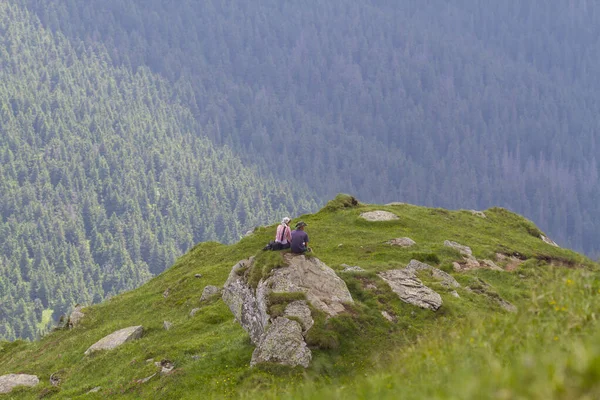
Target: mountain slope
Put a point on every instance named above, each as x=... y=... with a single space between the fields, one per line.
x=105 y=178
x=211 y=353
x=461 y=103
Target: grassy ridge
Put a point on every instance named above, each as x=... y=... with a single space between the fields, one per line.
x=435 y=354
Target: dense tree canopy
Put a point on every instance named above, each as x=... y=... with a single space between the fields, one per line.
x=104 y=178
x=451 y=103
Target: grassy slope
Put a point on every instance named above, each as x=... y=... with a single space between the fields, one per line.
x=426 y=352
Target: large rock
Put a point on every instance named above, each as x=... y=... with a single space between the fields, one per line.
x=402 y=242
x=379 y=216
x=410 y=289
x=446 y=278
x=323 y=288
x=11 y=381
x=283 y=344
x=116 y=339
x=281 y=339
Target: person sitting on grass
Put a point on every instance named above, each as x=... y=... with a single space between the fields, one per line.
x=300 y=239
x=283 y=237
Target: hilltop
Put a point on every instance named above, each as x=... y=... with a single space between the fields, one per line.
x=519 y=306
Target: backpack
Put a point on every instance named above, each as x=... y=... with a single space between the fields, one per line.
x=273 y=245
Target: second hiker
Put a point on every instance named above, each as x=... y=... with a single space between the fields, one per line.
x=300 y=239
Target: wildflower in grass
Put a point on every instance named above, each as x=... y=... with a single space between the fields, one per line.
x=569 y=282
x=555 y=338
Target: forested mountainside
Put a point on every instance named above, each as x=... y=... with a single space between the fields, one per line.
x=105 y=178
x=451 y=103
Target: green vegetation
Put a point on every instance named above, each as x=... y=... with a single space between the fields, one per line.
x=357 y=354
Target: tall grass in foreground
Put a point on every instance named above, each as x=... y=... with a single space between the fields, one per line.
x=549 y=350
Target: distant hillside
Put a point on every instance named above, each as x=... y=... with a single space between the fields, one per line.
x=453 y=103
x=105 y=178
x=512 y=305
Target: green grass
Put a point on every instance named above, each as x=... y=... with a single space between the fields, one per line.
x=470 y=347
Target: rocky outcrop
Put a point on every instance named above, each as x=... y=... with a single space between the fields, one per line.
x=378 y=216
x=490 y=264
x=116 y=339
x=11 y=381
x=483 y=288
x=410 y=289
x=446 y=278
x=402 y=242
x=283 y=344
x=209 y=292
x=75 y=317
x=281 y=339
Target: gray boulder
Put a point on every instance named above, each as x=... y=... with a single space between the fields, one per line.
x=116 y=339
x=402 y=242
x=479 y=214
x=11 y=381
x=209 y=292
x=283 y=344
x=446 y=278
x=194 y=311
x=378 y=216
x=410 y=289
x=75 y=317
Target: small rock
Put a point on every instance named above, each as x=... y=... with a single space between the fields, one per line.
x=166 y=367
x=248 y=233
x=167 y=325
x=198 y=276
x=95 y=390
x=454 y=293
x=55 y=379
x=410 y=289
x=549 y=241
x=464 y=250
x=402 y=242
x=340 y=245
x=209 y=292
x=479 y=214
x=446 y=278
x=378 y=216
x=194 y=311
x=355 y=268
x=116 y=339
x=166 y=293
x=457 y=267
x=146 y=379
x=387 y=316
x=150 y=360
x=491 y=265
x=522 y=276
x=75 y=317
x=370 y=286
x=11 y=381
x=195 y=357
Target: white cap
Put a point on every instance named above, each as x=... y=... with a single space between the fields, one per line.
x=286 y=220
